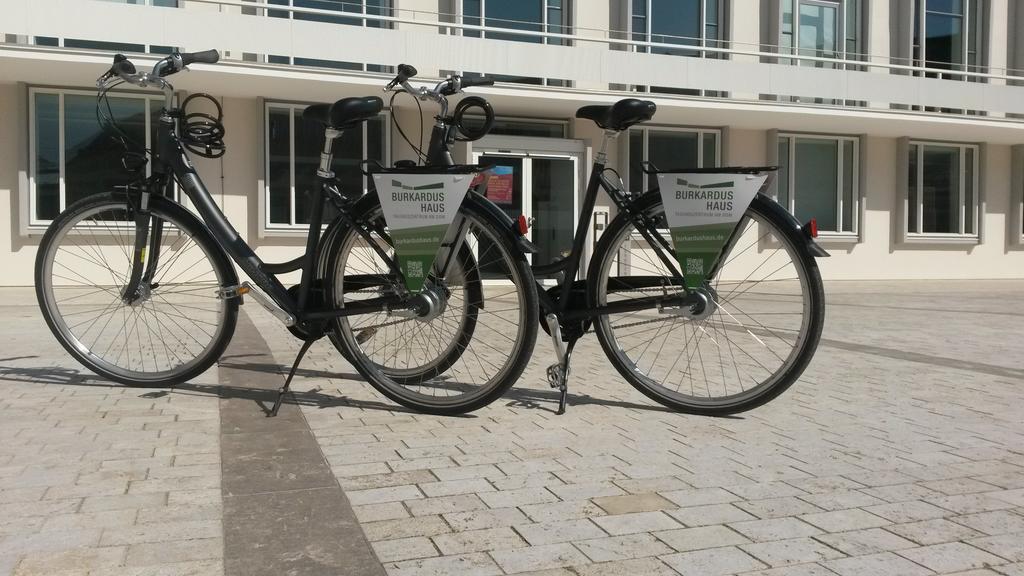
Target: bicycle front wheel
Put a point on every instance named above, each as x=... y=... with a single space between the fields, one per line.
x=466 y=353
x=175 y=329
x=766 y=316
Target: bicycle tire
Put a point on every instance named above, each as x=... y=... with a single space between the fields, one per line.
x=185 y=225
x=400 y=389
x=779 y=381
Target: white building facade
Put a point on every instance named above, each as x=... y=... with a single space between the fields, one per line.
x=898 y=125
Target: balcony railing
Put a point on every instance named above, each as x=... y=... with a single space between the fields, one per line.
x=593 y=59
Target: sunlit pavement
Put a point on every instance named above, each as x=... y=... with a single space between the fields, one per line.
x=900 y=451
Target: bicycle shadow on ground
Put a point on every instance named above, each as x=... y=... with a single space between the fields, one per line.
x=516 y=397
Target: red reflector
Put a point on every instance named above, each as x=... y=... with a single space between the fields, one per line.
x=812 y=227
x=523 y=225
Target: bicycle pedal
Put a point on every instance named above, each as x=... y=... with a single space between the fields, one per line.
x=555 y=378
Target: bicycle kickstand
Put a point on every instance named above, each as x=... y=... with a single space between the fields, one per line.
x=558 y=374
x=291 y=374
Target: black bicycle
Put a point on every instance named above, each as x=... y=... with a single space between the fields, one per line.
x=727 y=333
x=142 y=292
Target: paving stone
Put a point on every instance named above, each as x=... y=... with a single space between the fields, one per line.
x=710 y=514
x=700 y=496
x=928 y=532
x=538 y=558
x=864 y=542
x=687 y=539
x=162 y=532
x=844 y=520
x=385 y=511
x=774 y=529
x=713 y=562
x=380 y=495
x=523 y=496
x=485 y=518
x=777 y=507
x=951 y=557
x=586 y=491
x=76 y=560
x=622 y=547
x=970 y=503
x=910 y=511
x=883 y=564
x=795 y=551
x=794 y=570
x=404 y=549
x=444 y=505
x=570 y=510
x=633 y=503
x=1008 y=546
x=559 y=531
x=645 y=566
x=479 y=541
x=405 y=528
x=479 y=564
x=156 y=553
x=992 y=523
x=636 y=522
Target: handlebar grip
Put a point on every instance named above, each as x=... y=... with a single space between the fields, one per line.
x=405 y=72
x=479 y=81
x=205 y=57
x=122 y=66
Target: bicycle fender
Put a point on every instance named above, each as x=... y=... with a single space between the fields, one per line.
x=776 y=209
x=503 y=222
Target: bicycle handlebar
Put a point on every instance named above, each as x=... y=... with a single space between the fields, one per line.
x=123 y=68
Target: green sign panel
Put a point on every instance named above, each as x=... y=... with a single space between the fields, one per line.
x=703 y=209
x=419 y=209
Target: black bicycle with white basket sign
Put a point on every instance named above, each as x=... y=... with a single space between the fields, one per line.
x=704 y=292
x=142 y=291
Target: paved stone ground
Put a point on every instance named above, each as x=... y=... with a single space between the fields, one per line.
x=901 y=451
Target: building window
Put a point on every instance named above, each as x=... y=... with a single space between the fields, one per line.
x=690 y=23
x=821 y=28
x=948 y=34
x=669 y=149
x=819 y=178
x=292 y=151
x=942 y=190
x=71 y=156
x=531 y=127
x=351 y=13
x=550 y=16
x=684 y=22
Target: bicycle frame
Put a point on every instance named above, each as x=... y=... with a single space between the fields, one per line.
x=172 y=161
x=561 y=305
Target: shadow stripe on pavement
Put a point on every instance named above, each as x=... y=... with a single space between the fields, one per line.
x=284 y=512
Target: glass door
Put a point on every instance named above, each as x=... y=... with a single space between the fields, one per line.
x=544 y=188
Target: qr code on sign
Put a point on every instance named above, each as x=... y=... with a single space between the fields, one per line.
x=694 y=266
x=415 y=269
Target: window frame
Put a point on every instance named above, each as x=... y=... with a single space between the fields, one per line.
x=1016 y=220
x=32 y=222
x=974 y=19
x=977 y=208
x=843 y=140
x=630 y=15
x=268 y=227
x=700 y=131
x=567 y=24
x=844 y=29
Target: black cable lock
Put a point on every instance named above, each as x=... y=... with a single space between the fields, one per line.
x=202 y=133
x=468 y=133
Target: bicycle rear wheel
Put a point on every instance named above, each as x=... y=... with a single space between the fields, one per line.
x=458 y=360
x=767 y=315
x=178 y=326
